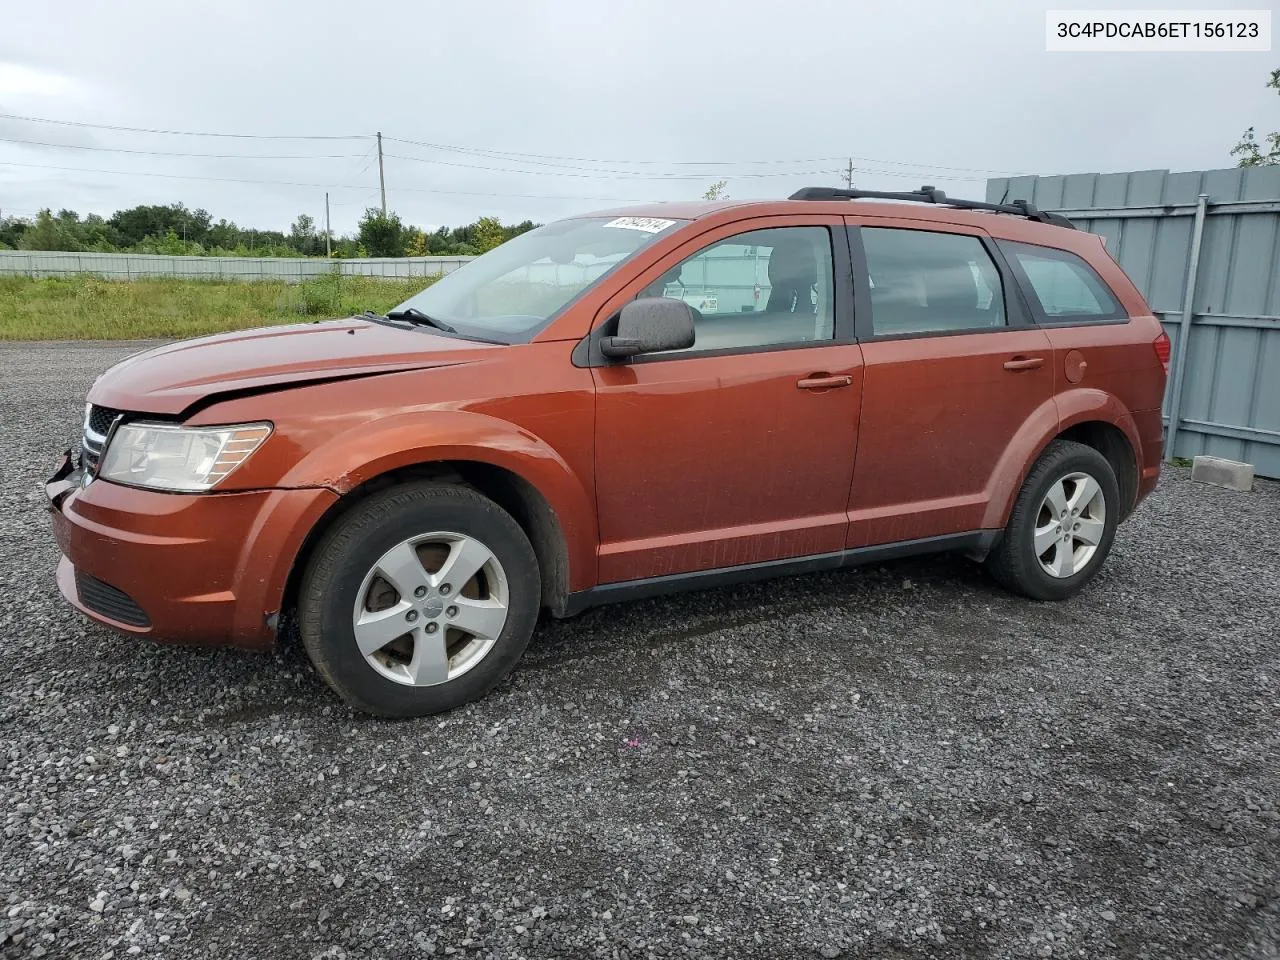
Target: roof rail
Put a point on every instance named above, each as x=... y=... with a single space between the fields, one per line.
x=1019 y=208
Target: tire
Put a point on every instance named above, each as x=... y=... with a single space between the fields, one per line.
x=1066 y=565
x=408 y=535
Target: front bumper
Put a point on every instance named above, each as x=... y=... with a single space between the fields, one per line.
x=204 y=569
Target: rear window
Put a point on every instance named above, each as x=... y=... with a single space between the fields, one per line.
x=926 y=282
x=1064 y=287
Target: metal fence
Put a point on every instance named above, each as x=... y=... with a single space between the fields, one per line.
x=129 y=266
x=1204 y=249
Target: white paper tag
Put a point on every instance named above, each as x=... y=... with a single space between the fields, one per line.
x=645 y=224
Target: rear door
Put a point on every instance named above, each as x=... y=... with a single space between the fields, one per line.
x=953 y=369
x=740 y=449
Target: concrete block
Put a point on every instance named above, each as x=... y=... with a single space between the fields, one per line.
x=1223 y=473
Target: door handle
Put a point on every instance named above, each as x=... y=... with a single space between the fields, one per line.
x=1024 y=363
x=823 y=381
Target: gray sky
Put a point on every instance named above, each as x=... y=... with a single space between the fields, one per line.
x=914 y=90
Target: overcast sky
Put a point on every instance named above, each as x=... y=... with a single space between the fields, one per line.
x=542 y=109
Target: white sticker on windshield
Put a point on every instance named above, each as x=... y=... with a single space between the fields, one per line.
x=646 y=224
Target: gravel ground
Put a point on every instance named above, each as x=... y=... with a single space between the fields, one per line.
x=898 y=761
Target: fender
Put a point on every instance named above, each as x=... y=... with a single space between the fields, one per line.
x=1055 y=415
x=295 y=513
x=371 y=449
x=1084 y=404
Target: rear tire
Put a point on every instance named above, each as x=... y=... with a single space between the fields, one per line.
x=1062 y=524
x=418 y=600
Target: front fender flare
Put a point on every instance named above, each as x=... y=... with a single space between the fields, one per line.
x=371 y=449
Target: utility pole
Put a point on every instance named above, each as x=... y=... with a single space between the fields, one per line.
x=382 y=179
x=848 y=175
x=327 y=234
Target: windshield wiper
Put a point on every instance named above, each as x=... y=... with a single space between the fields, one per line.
x=416 y=316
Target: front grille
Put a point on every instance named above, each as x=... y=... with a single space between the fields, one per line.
x=100 y=419
x=107 y=600
x=97 y=421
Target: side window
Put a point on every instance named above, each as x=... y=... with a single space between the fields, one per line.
x=925 y=282
x=755 y=289
x=1065 y=286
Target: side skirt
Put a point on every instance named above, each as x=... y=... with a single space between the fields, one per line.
x=976 y=544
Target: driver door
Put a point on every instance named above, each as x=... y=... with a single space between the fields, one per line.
x=740 y=449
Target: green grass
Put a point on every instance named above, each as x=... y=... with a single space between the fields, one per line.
x=90 y=308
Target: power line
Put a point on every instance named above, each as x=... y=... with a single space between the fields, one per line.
x=630 y=175
x=536 y=157
x=168 y=176
x=367 y=160
x=168 y=153
x=187 y=133
x=513 y=155
x=321 y=186
x=510 y=155
x=608 y=174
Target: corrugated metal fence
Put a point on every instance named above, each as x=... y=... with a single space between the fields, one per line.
x=1204 y=249
x=128 y=266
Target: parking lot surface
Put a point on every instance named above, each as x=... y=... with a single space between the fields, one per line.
x=895 y=761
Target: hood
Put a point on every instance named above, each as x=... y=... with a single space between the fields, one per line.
x=169 y=379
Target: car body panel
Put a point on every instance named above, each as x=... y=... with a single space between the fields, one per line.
x=523 y=408
x=171 y=554
x=937 y=415
x=731 y=463
x=712 y=474
x=171 y=378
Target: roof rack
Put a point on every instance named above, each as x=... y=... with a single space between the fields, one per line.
x=1019 y=208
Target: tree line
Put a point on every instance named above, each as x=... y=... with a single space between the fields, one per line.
x=1249 y=152
x=175 y=230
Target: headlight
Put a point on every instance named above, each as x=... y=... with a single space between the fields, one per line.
x=172 y=457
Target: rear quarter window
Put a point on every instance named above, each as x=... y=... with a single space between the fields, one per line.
x=1062 y=287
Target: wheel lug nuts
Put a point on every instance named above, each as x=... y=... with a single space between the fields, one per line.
x=451 y=612
x=420 y=592
x=444 y=589
x=432 y=627
x=411 y=616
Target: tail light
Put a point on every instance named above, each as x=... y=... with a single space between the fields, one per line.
x=1164 y=349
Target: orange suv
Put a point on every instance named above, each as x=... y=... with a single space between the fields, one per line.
x=614 y=406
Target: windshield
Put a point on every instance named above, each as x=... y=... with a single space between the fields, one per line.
x=514 y=290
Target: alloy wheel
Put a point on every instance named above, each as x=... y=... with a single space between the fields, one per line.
x=431 y=608
x=1069 y=525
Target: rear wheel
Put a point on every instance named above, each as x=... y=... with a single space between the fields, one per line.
x=420 y=599
x=1062 y=524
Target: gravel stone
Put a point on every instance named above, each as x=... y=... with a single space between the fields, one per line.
x=900 y=760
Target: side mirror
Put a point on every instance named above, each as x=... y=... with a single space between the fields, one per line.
x=650 y=325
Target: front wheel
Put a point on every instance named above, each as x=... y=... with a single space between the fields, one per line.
x=1062 y=524
x=418 y=600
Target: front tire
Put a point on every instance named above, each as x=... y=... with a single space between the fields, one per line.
x=1062 y=524
x=418 y=600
